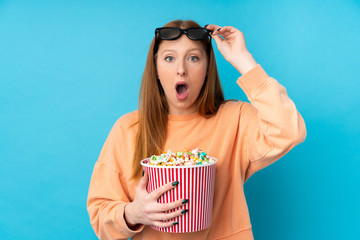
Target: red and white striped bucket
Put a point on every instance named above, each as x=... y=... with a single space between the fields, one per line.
x=196 y=183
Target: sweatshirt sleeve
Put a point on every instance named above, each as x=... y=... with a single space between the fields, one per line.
x=274 y=126
x=108 y=194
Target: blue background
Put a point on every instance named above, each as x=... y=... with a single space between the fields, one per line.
x=70 y=69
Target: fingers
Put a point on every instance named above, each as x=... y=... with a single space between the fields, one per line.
x=165 y=207
x=221 y=30
x=221 y=33
x=164 y=224
x=215 y=34
x=213 y=27
x=161 y=217
x=168 y=216
x=169 y=206
x=226 y=31
x=155 y=213
x=161 y=190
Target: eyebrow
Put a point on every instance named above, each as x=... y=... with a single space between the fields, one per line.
x=172 y=50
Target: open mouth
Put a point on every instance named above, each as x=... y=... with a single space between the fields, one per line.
x=182 y=89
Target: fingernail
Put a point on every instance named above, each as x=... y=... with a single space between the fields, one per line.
x=184 y=211
x=175 y=183
x=143 y=173
x=174 y=223
x=185 y=201
x=219 y=29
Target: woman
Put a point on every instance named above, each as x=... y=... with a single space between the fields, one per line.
x=182 y=106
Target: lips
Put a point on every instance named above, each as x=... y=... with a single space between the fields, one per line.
x=182 y=90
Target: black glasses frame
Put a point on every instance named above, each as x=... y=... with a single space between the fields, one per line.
x=181 y=32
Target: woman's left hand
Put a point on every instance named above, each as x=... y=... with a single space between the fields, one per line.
x=232 y=47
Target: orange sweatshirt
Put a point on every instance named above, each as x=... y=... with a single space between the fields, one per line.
x=244 y=137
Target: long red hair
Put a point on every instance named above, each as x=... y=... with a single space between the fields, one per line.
x=153 y=107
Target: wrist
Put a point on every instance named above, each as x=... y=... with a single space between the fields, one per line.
x=244 y=63
x=129 y=215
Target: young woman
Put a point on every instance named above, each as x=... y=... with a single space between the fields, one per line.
x=181 y=106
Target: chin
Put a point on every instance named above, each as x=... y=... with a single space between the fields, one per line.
x=185 y=106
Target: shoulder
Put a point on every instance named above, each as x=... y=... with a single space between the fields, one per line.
x=125 y=123
x=236 y=108
x=232 y=106
x=128 y=119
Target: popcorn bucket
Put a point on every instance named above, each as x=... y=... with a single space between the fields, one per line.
x=196 y=183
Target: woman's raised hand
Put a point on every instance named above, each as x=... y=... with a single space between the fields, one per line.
x=146 y=210
x=232 y=46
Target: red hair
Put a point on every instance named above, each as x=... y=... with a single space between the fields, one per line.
x=153 y=107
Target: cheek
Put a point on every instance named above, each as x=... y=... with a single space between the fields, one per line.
x=200 y=74
x=163 y=71
x=165 y=85
x=201 y=78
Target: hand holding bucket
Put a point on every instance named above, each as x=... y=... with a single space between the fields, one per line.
x=196 y=183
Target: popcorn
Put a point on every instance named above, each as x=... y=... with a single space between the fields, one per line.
x=185 y=158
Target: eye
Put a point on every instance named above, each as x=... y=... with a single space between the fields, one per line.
x=194 y=58
x=169 y=58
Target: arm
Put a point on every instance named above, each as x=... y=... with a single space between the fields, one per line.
x=274 y=126
x=108 y=197
x=114 y=214
x=106 y=205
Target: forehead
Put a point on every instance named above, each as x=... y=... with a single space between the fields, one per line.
x=181 y=44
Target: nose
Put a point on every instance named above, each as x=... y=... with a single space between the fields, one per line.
x=181 y=71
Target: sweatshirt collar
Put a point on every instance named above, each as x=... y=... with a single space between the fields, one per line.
x=178 y=118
